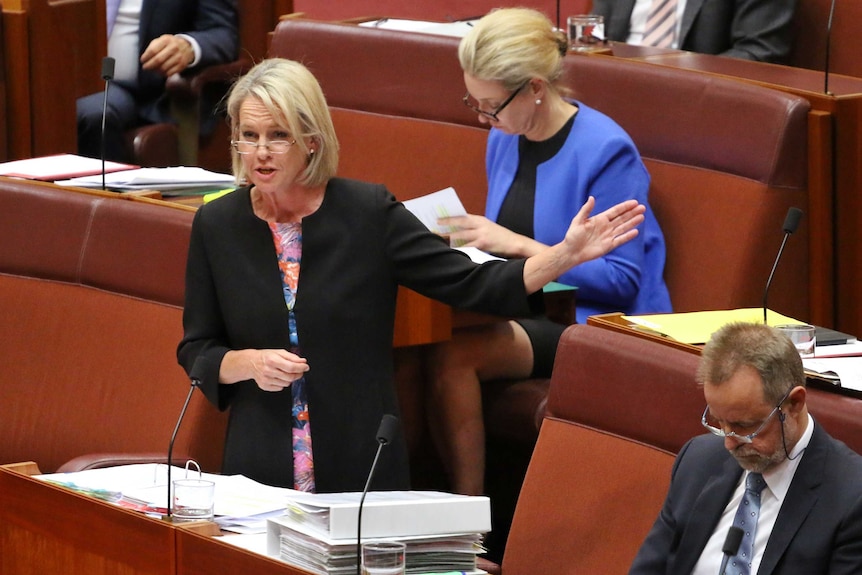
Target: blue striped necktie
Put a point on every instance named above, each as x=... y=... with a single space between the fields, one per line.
x=746 y=519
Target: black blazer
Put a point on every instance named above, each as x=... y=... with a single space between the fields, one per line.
x=357 y=249
x=748 y=29
x=819 y=526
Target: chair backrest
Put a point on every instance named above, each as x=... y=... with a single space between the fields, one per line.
x=726 y=160
x=618 y=409
x=91 y=293
x=383 y=71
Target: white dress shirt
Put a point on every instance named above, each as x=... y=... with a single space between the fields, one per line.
x=639 y=18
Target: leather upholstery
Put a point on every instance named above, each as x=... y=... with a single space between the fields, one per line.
x=91 y=289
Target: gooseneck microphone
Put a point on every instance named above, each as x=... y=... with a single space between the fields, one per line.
x=826 y=53
x=107 y=76
x=195 y=382
x=388 y=426
x=791 y=222
x=731 y=546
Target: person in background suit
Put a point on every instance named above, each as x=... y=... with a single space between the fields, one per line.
x=150 y=41
x=811 y=509
x=748 y=29
x=291 y=288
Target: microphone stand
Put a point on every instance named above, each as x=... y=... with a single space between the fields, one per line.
x=384 y=436
x=828 y=44
x=791 y=222
x=107 y=76
x=195 y=383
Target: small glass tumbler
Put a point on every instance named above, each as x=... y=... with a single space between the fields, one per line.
x=586 y=32
x=193 y=500
x=383 y=558
x=803 y=337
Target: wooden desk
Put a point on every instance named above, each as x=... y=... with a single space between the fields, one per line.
x=49 y=529
x=200 y=554
x=835 y=169
x=616 y=322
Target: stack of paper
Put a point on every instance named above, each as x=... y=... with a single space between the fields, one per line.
x=242 y=505
x=174 y=180
x=59 y=166
x=443 y=531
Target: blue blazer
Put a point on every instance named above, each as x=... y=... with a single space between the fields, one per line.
x=818 y=530
x=598 y=159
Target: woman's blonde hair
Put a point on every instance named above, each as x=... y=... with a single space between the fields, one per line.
x=513 y=45
x=293 y=97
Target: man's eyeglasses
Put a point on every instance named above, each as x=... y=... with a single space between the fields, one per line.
x=741 y=438
x=469 y=102
x=274 y=147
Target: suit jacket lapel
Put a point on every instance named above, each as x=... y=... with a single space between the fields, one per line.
x=801 y=497
x=689 y=13
x=705 y=514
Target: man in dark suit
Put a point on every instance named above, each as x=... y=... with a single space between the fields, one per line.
x=810 y=518
x=150 y=41
x=747 y=29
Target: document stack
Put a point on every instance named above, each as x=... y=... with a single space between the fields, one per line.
x=443 y=532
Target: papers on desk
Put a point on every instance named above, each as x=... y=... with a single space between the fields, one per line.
x=176 y=179
x=696 y=327
x=389 y=513
x=298 y=545
x=457 y=29
x=242 y=505
x=845 y=372
x=59 y=166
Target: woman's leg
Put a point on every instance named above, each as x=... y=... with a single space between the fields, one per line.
x=455 y=369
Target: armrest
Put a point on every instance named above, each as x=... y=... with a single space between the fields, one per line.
x=99 y=460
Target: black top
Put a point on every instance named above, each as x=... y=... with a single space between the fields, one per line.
x=516 y=213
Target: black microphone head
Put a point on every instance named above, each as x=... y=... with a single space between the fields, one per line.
x=387 y=429
x=732 y=541
x=107 y=68
x=198 y=370
x=791 y=221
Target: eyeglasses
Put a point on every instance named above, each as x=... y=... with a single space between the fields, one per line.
x=500 y=108
x=274 y=147
x=741 y=438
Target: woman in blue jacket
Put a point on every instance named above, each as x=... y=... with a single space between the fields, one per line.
x=546 y=154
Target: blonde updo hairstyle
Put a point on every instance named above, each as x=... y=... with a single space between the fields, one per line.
x=293 y=97
x=513 y=45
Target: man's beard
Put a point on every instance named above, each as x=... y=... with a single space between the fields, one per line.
x=755 y=462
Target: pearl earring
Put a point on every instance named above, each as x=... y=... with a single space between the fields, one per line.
x=538 y=101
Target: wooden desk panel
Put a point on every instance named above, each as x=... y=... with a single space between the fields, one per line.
x=199 y=554
x=48 y=529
